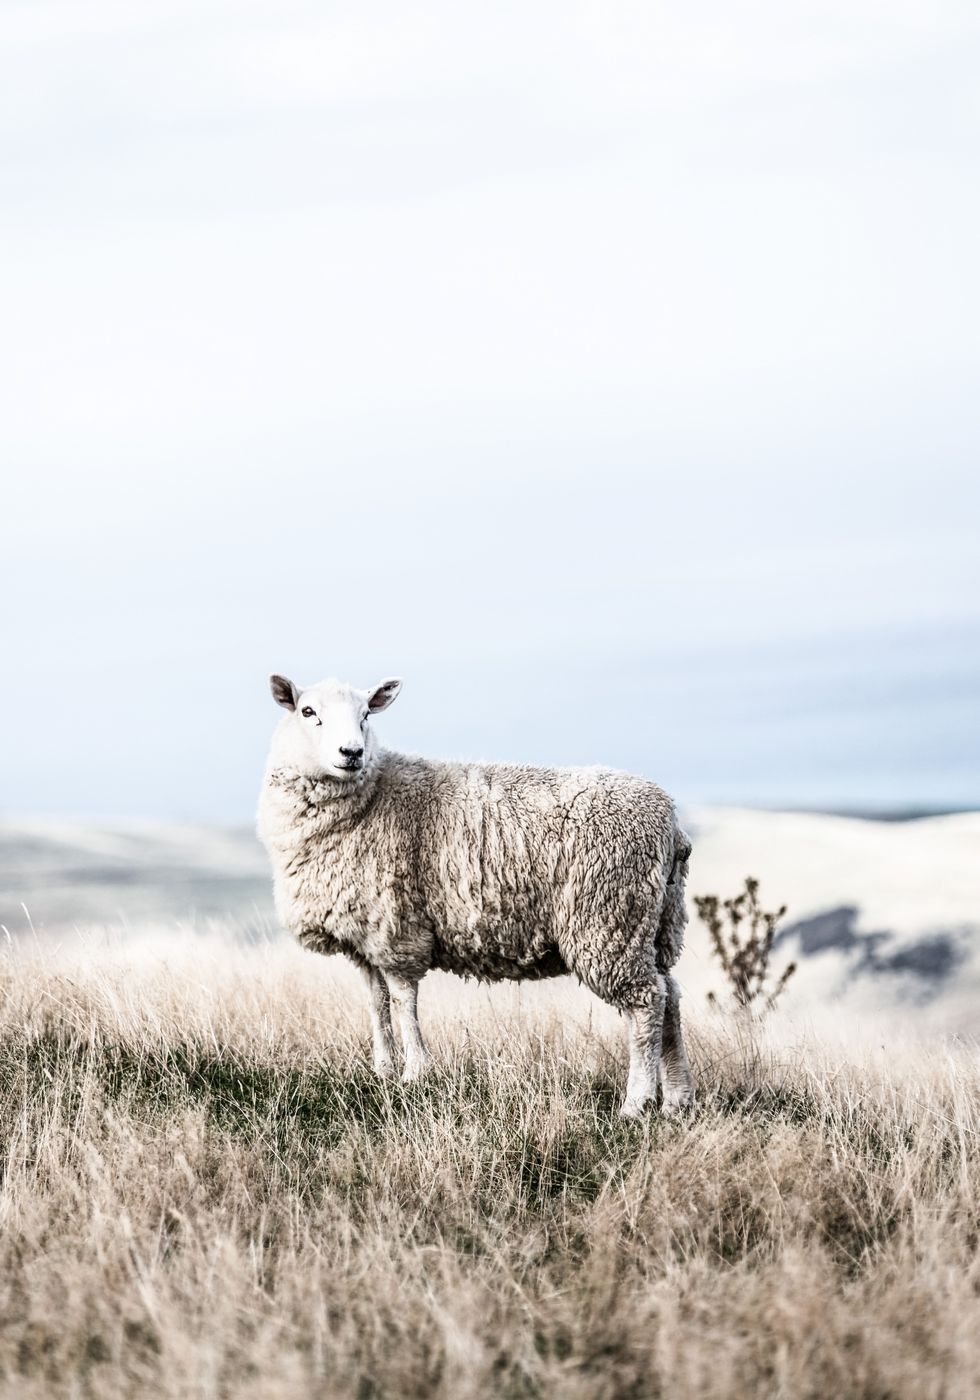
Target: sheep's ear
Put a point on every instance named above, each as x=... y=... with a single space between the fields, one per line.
x=283 y=692
x=382 y=695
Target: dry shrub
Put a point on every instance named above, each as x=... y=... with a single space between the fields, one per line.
x=744 y=953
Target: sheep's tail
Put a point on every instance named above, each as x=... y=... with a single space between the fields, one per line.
x=673 y=915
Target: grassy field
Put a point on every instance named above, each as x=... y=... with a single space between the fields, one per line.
x=205 y=1193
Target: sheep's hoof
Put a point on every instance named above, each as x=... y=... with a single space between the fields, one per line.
x=676 y=1102
x=416 y=1071
x=634 y=1109
x=384 y=1069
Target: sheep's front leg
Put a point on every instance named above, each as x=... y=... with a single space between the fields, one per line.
x=404 y=998
x=382 y=1038
x=646 y=1027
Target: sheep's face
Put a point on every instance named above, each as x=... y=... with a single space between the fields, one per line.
x=328 y=724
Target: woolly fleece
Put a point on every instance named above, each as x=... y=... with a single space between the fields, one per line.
x=487 y=870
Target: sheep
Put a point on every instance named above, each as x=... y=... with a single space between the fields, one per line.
x=493 y=871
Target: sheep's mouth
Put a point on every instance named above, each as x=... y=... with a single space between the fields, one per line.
x=353 y=767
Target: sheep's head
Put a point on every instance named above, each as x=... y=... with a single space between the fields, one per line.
x=328 y=729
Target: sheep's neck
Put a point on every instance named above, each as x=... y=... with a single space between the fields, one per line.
x=322 y=795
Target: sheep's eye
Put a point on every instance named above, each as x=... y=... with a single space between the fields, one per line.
x=307 y=712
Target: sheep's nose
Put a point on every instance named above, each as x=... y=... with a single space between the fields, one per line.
x=352 y=753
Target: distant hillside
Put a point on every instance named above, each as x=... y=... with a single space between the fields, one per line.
x=75 y=874
x=884 y=916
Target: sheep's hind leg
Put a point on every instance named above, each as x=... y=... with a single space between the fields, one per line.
x=646 y=1026
x=404 y=999
x=678 y=1088
x=382 y=1037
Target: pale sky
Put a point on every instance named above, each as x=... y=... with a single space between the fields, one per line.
x=609 y=371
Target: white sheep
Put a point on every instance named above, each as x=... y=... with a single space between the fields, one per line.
x=488 y=870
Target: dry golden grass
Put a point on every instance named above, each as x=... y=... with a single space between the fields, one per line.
x=205 y=1193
